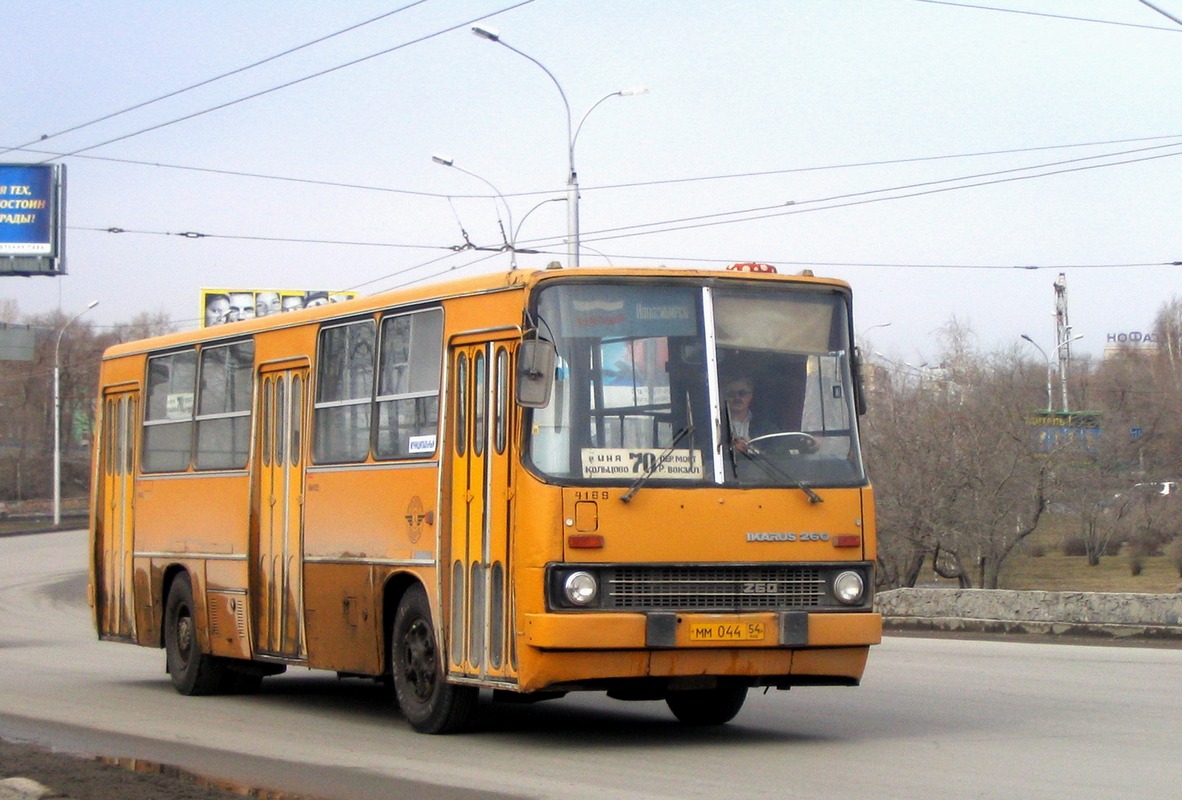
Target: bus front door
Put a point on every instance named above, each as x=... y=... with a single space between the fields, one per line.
x=277 y=530
x=114 y=579
x=480 y=636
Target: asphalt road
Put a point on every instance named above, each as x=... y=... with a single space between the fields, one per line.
x=934 y=718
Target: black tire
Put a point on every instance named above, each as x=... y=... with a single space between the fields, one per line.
x=429 y=703
x=193 y=672
x=716 y=706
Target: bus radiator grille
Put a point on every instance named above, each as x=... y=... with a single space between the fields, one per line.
x=722 y=588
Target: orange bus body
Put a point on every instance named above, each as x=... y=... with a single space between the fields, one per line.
x=431 y=534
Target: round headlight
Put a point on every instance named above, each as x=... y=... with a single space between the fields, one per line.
x=580 y=588
x=848 y=588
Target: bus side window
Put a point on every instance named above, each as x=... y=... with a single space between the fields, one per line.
x=409 y=367
x=344 y=393
x=223 y=413
x=168 y=429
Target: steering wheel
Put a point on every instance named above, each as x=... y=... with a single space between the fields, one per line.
x=792 y=441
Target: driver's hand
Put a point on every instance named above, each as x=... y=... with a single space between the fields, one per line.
x=740 y=445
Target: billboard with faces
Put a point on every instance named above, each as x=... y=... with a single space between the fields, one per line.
x=222 y=306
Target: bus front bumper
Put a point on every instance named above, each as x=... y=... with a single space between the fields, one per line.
x=670 y=630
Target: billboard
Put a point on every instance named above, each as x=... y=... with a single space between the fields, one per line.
x=220 y=306
x=17 y=342
x=1066 y=431
x=31 y=219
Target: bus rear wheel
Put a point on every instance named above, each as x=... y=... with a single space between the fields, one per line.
x=429 y=702
x=192 y=671
x=716 y=706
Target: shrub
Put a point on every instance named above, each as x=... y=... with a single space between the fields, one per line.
x=1036 y=550
x=1174 y=554
x=1075 y=546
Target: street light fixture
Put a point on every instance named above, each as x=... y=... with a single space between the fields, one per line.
x=521 y=224
x=572 y=133
x=510 y=237
x=874 y=327
x=57 y=417
x=1050 y=369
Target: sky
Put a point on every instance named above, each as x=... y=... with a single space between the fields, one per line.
x=948 y=160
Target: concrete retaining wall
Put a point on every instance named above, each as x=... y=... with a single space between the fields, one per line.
x=1111 y=615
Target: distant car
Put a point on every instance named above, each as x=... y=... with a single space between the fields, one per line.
x=3 y=510
x=1157 y=487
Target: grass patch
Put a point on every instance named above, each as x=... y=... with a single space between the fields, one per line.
x=1055 y=572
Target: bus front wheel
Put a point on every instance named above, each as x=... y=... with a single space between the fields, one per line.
x=192 y=671
x=429 y=702
x=716 y=706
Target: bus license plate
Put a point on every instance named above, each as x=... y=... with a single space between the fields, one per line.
x=726 y=631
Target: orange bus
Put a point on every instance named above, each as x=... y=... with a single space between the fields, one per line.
x=640 y=481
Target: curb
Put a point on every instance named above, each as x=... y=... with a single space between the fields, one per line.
x=1110 y=616
x=1010 y=627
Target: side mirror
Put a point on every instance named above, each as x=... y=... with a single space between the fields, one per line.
x=535 y=373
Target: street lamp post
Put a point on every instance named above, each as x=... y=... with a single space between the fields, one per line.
x=57 y=417
x=1064 y=356
x=572 y=134
x=1048 y=360
x=510 y=236
x=1050 y=368
x=874 y=327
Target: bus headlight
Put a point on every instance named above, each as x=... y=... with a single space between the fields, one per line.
x=849 y=588
x=580 y=588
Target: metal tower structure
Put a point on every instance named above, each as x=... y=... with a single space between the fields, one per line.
x=1062 y=334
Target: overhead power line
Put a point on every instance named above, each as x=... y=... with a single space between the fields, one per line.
x=883 y=162
x=47 y=136
x=863 y=197
x=979 y=7
x=591 y=236
x=782 y=262
x=289 y=84
x=1165 y=14
x=612 y=186
x=250 y=238
x=741 y=215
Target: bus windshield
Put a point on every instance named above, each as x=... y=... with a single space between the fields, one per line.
x=691 y=384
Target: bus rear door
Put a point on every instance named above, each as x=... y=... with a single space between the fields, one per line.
x=115 y=543
x=277 y=530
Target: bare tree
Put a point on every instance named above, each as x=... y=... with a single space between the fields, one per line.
x=954 y=460
x=26 y=395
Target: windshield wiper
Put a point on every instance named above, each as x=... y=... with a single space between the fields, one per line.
x=776 y=471
x=684 y=432
x=636 y=484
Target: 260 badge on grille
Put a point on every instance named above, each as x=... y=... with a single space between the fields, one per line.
x=726 y=631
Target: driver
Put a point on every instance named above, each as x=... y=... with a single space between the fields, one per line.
x=739 y=392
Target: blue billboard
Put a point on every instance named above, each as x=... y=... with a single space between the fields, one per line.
x=30 y=218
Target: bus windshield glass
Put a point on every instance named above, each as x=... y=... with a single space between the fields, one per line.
x=690 y=384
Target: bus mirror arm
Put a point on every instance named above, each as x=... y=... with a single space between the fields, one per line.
x=535 y=372
x=859 y=386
